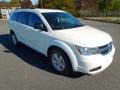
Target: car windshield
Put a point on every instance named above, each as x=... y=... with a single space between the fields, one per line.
x=61 y=20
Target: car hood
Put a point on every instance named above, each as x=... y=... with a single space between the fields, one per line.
x=85 y=36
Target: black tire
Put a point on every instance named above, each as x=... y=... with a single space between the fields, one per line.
x=14 y=39
x=68 y=67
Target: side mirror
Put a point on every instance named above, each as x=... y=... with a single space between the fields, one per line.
x=40 y=26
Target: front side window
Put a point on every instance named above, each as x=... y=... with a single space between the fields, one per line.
x=23 y=17
x=34 y=19
x=61 y=20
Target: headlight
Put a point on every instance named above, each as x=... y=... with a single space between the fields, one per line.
x=87 y=51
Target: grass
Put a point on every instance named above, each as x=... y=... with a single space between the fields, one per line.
x=105 y=19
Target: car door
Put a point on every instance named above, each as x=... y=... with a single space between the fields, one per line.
x=22 y=25
x=37 y=37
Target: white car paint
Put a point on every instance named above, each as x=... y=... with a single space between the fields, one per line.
x=85 y=36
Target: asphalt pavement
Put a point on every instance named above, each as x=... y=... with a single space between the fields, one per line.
x=25 y=69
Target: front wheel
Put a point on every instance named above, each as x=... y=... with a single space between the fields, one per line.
x=60 y=61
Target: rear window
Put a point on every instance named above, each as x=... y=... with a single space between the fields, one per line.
x=14 y=17
x=23 y=17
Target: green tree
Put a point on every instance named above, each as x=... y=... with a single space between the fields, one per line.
x=67 y=5
x=13 y=2
x=116 y=5
x=106 y=5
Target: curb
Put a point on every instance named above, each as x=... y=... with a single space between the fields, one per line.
x=3 y=19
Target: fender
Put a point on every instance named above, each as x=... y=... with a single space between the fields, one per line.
x=68 y=51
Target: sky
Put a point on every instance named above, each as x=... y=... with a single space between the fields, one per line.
x=33 y=1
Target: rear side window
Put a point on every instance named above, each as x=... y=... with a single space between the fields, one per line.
x=23 y=17
x=34 y=19
x=14 y=17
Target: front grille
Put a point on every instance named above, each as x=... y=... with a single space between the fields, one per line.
x=105 y=49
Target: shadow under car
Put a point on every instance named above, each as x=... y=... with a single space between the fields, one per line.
x=30 y=56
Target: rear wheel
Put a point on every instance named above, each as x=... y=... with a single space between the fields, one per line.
x=60 y=61
x=14 y=39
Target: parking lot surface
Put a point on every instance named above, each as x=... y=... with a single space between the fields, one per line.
x=24 y=69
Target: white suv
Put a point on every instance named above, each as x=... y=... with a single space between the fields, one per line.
x=69 y=44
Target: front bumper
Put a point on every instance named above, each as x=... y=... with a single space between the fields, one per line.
x=94 y=64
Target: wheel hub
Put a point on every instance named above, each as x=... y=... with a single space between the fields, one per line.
x=58 y=62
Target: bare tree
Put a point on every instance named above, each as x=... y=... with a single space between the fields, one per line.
x=40 y=4
x=26 y=4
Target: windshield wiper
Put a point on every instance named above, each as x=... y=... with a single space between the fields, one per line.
x=58 y=27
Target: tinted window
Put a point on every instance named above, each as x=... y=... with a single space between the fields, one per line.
x=34 y=19
x=23 y=17
x=61 y=20
x=14 y=16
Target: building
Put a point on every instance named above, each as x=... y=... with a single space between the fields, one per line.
x=6 y=9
